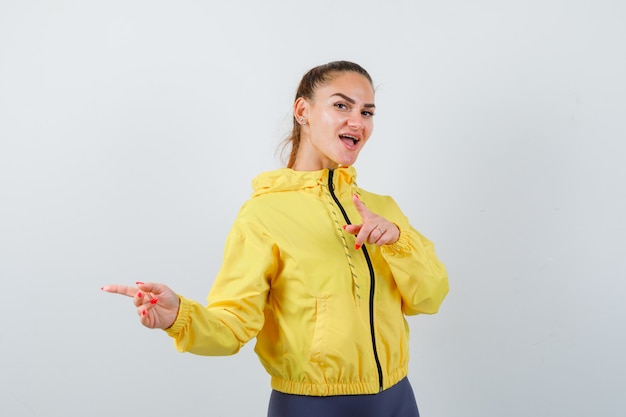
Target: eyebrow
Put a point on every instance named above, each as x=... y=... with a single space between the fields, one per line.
x=351 y=101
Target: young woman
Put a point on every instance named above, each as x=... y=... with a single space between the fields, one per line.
x=319 y=270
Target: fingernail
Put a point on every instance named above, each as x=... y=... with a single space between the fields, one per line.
x=139 y=294
x=344 y=226
x=138 y=282
x=143 y=313
x=356 y=195
x=154 y=300
x=357 y=247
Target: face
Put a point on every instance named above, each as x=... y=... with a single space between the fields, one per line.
x=339 y=121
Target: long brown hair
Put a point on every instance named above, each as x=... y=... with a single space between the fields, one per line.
x=313 y=79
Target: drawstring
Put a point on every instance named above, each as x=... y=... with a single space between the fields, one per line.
x=356 y=289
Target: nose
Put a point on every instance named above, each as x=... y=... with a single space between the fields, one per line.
x=354 y=121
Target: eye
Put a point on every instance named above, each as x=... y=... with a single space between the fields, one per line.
x=367 y=113
x=341 y=106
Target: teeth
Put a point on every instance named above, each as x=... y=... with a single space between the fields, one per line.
x=350 y=137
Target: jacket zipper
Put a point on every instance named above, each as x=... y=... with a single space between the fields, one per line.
x=331 y=188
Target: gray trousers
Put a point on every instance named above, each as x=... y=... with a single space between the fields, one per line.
x=397 y=401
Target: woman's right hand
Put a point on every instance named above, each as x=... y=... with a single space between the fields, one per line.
x=157 y=305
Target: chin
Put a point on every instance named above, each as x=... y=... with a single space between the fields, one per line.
x=346 y=162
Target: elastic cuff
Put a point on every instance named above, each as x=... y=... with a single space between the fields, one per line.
x=402 y=245
x=181 y=318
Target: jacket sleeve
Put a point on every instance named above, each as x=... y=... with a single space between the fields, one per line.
x=235 y=310
x=421 y=278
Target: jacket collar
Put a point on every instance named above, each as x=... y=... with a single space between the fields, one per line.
x=286 y=179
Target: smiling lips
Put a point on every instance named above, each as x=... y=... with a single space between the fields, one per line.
x=349 y=140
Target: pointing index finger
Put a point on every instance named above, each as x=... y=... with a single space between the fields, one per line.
x=120 y=289
x=360 y=206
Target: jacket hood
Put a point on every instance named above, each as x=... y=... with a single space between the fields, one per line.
x=287 y=179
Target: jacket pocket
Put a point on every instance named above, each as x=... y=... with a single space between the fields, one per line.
x=318 y=345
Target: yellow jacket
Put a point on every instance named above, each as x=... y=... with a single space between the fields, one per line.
x=328 y=319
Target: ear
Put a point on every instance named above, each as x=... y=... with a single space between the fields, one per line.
x=301 y=108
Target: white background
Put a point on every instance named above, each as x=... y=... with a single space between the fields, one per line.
x=130 y=131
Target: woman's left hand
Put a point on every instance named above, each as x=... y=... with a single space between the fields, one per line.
x=374 y=229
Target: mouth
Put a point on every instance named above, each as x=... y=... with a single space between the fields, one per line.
x=349 y=139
